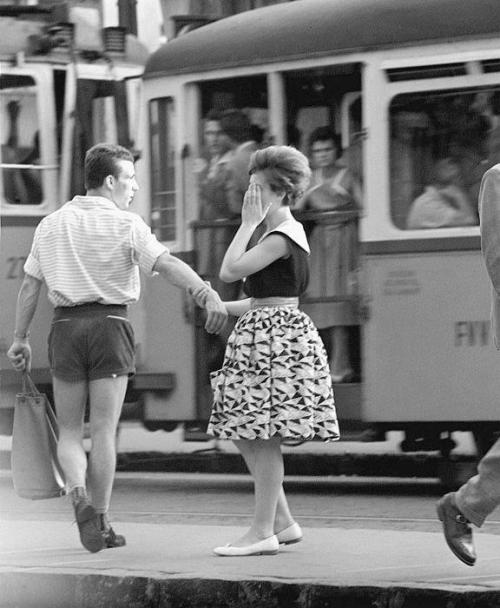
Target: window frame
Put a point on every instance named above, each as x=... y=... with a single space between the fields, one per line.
x=49 y=167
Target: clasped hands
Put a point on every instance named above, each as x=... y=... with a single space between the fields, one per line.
x=209 y=299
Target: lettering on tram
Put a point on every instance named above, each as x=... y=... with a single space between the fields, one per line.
x=472 y=333
x=401 y=282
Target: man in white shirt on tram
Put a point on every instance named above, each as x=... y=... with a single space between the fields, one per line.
x=88 y=253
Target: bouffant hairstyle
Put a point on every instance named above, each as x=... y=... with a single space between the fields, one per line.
x=100 y=161
x=286 y=170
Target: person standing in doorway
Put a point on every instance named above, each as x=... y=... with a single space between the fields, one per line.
x=88 y=253
x=238 y=132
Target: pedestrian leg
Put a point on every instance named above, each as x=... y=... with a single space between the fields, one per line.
x=283 y=519
x=479 y=496
x=106 y=400
x=268 y=480
x=70 y=399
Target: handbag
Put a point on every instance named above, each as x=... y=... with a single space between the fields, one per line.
x=36 y=472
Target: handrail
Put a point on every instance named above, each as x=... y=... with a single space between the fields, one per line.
x=323 y=217
x=35 y=167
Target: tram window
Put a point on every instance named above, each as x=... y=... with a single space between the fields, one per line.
x=246 y=94
x=438 y=153
x=315 y=98
x=162 y=138
x=20 y=146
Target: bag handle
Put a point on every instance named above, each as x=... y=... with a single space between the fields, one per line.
x=28 y=385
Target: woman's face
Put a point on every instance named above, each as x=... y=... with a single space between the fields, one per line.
x=323 y=153
x=268 y=196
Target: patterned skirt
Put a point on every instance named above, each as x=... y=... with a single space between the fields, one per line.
x=275 y=380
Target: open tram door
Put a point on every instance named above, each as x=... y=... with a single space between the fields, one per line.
x=430 y=366
x=285 y=107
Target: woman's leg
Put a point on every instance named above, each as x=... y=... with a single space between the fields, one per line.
x=268 y=479
x=283 y=517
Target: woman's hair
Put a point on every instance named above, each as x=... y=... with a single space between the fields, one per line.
x=100 y=161
x=286 y=170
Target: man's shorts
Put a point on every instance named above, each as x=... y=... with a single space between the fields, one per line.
x=91 y=341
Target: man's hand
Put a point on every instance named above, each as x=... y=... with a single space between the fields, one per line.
x=199 y=294
x=216 y=313
x=19 y=355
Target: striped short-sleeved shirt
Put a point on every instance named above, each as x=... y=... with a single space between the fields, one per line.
x=89 y=250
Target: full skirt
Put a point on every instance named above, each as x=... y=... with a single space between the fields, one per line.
x=275 y=380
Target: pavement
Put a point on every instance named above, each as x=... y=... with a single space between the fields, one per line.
x=43 y=565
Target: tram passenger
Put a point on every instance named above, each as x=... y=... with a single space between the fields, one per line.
x=479 y=496
x=238 y=131
x=444 y=202
x=334 y=247
x=213 y=197
x=275 y=382
x=88 y=253
x=213 y=241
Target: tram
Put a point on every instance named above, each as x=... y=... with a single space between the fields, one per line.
x=404 y=84
x=65 y=84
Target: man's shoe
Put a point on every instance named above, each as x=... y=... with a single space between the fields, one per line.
x=111 y=539
x=457 y=531
x=87 y=521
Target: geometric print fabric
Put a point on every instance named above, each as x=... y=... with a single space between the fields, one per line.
x=275 y=380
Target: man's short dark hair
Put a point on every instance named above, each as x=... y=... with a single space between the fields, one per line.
x=214 y=115
x=236 y=125
x=100 y=161
x=325 y=134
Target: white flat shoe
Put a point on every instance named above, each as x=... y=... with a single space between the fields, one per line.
x=267 y=546
x=290 y=535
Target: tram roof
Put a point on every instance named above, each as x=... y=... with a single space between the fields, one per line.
x=315 y=28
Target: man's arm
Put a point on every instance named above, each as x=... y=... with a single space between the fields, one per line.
x=19 y=353
x=489 y=210
x=178 y=273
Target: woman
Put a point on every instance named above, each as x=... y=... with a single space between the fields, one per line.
x=275 y=382
x=334 y=247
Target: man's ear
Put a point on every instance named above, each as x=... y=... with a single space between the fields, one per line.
x=109 y=181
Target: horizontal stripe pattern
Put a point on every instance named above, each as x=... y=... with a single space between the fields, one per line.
x=91 y=251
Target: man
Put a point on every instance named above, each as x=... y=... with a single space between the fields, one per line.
x=479 y=496
x=238 y=130
x=89 y=253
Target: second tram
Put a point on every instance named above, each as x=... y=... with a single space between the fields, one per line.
x=405 y=85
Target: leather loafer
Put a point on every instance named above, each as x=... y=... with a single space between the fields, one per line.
x=456 y=528
x=290 y=535
x=267 y=546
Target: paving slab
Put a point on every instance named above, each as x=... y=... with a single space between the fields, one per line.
x=42 y=564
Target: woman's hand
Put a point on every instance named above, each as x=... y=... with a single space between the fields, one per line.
x=254 y=210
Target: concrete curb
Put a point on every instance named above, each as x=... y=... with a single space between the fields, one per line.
x=57 y=590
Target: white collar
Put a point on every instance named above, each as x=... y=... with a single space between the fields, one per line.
x=293 y=230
